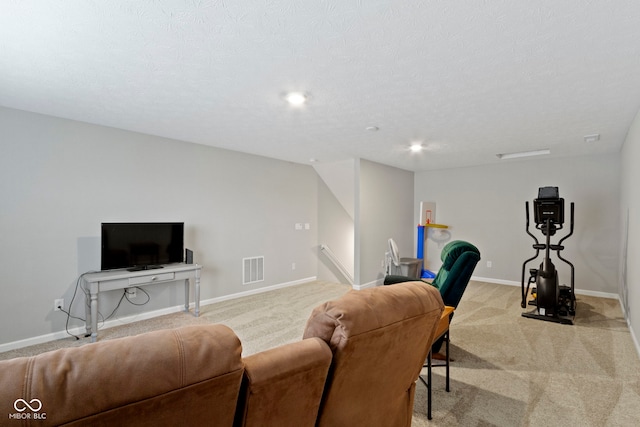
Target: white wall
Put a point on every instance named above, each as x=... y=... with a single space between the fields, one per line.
x=339 y=177
x=630 y=229
x=336 y=230
x=60 y=179
x=336 y=206
x=384 y=209
x=486 y=206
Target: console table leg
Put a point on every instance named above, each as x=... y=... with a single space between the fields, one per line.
x=87 y=316
x=197 y=291
x=94 y=317
x=186 y=295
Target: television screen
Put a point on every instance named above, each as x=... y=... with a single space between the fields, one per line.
x=141 y=245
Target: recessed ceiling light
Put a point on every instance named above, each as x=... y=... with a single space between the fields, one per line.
x=416 y=147
x=372 y=128
x=313 y=160
x=523 y=154
x=296 y=99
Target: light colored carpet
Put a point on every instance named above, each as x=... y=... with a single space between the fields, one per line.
x=508 y=370
x=514 y=371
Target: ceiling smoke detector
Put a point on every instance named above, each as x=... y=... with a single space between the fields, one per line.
x=592 y=138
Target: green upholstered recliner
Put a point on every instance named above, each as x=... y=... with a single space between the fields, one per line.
x=459 y=259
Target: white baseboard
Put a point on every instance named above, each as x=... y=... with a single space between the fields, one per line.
x=373 y=284
x=497 y=281
x=80 y=331
x=634 y=337
x=578 y=291
x=257 y=291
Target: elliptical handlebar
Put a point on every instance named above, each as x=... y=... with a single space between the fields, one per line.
x=526 y=206
x=570 y=227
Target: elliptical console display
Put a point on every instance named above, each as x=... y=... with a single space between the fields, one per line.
x=553 y=302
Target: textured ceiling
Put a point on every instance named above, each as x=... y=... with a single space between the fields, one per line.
x=469 y=79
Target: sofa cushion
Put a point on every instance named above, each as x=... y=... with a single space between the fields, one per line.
x=282 y=386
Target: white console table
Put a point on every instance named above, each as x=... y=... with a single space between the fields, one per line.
x=121 y=279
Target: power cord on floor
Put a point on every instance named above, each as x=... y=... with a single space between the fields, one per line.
x=88 y=301
x=68 y=313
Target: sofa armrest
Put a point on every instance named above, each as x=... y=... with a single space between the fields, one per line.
x=284 y=385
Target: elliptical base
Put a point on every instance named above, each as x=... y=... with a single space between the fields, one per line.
x=566 y=308
x=564 y=320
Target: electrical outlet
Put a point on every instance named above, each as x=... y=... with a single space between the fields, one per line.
x=489 y=264
x=293 y=265
x=131 y=292
x=58 y=304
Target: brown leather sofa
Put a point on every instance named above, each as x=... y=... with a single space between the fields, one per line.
x=378 y=340
x=357 y=364
x=186 y=376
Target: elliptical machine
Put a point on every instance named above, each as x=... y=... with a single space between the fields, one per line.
x=554 y=303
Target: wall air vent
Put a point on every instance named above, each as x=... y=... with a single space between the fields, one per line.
x=252 y=270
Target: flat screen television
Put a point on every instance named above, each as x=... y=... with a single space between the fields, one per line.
x=141 y=245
